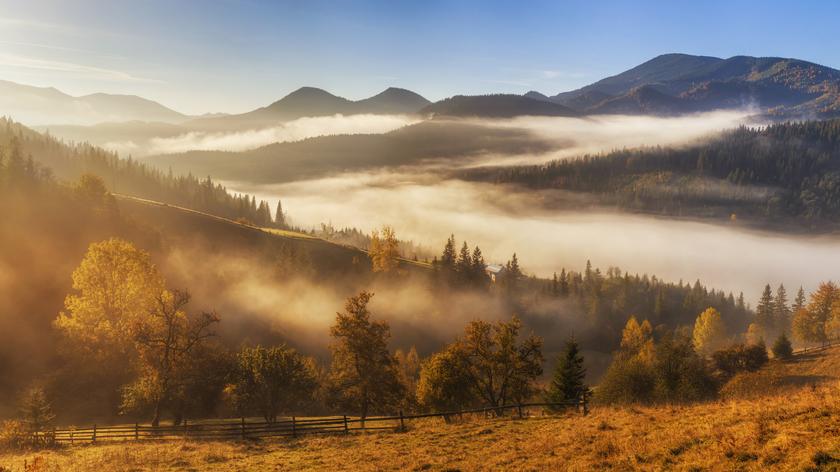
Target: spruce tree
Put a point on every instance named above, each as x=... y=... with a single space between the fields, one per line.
x=279 y=216
x=36 y=410
x=447 y=259
x=569 y=375
x=764 y=310
x=799 y=302
x=781 y=310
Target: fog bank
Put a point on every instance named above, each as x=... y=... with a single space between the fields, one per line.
x=604 y=133
x=294 y=130
x=503 y=221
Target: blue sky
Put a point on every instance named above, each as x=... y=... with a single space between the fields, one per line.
x=203 y=56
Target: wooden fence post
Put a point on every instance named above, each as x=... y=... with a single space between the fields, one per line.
x=519 y=409
x=242 y=431
x=402 y=422
x=185 y=427
x=346 y=429
x=136 y=431
x=294 y=429
x=93 y=438
x=71 y=435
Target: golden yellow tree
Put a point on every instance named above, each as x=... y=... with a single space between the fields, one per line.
x=384 y=250
x=709 y=333
x=636 y=337
x=755 y=333
x=115 y=286
x=815 y=322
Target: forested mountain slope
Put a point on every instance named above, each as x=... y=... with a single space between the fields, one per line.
x=788 y=173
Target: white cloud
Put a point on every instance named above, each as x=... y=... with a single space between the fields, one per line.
x=11 y=60
x=295 y=130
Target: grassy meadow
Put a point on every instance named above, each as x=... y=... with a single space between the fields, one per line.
x=796 y=427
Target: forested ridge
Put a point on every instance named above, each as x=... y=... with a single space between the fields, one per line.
x=787 y=172
x=69 y=161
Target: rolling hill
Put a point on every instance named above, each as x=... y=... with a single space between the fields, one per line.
x=47 y=105
x=282 y=162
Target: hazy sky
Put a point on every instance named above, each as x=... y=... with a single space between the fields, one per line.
x=225 y=55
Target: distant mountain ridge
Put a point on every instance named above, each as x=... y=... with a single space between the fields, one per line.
x=47 y=105
x=312 y=101
x=682 y=83
x=496 y=106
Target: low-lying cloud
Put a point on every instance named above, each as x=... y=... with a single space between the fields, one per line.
x=504 y=220
x=294 y=130
x=604 y=133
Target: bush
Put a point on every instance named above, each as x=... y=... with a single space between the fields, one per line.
x=782 y=348
x=740 y=358
x=14 y=435
x=671 y=371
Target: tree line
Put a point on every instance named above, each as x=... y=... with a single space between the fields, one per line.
x=29 y=151
x=786 y=170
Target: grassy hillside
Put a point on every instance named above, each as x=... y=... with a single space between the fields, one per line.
x=791 y=429
x=808 y=369
x=784 y=433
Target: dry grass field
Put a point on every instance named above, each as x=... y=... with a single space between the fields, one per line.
x=796 y=428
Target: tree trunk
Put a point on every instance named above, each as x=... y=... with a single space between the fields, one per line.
x=156 y=419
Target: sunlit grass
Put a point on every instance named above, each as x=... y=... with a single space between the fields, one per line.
x=794 y=431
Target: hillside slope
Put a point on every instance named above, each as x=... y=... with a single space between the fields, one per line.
x=780 y=433
x=808 y=369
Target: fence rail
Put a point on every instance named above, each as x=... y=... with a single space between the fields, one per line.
x=243 y=429
x=828 y=344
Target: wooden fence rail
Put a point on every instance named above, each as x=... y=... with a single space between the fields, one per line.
x=828 y=344
x=242 y=429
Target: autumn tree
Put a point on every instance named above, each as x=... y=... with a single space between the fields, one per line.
x=92 y=191
x=568 y=383
x=444 y=383
x=384 y=250
x=501 y=365
x=755 y=334
x=408 y=364
x=813 y=323
x=116 y=286
x=364 y=374
x=636 y=337
x=271 y=380
x=165 y=339
x=709 y=333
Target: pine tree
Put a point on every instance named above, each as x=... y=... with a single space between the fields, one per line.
x=279 y=216
x=781 y=310
x=447 y=259
x=464 y=265
x=569 y=375
x=764 y=310
x=799 y=302
x=479 y=276
x=36 y=410
x=564 y=283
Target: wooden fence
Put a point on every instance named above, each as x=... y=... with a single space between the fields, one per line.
x=243 y=429
x=822 y=347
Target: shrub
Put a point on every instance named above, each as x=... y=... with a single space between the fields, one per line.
x=14 y=435
x=740 y=358
x=782 y=348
